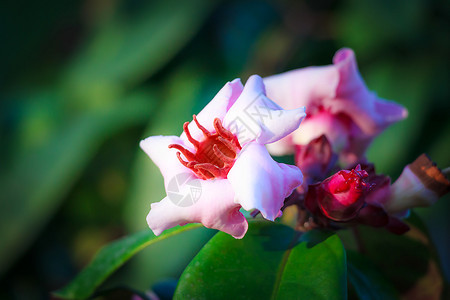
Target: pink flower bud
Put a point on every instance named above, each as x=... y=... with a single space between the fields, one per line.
x=315 y=159
x=420 y=184
x=341 y=196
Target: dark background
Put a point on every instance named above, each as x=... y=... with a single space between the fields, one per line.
x=81 y=82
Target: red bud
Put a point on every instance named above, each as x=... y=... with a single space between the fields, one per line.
x=341 y=196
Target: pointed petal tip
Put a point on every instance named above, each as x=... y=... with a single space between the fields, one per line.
x=281 y=125
x=152 y=219
x=235 y=81
x=268 y=217
x=241 y=233
x=143 y=143
x=405 y=113
x=146 y=144
x=344 y=55
x=231 y=86
x=389 y=112
x=157 y=230
x=271 y=215
x=401 y=115
x=254 y=77
x=255 y=82
x=301 y=112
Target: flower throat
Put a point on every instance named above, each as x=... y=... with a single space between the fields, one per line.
x=214 y=155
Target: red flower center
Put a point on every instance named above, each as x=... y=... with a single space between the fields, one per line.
x=214 y=155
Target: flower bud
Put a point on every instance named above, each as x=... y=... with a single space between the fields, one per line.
x=315 y=159
x=420 y=184
x=341 y=196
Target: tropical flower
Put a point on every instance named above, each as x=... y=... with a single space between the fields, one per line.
x=338 y=105
x=220 y=164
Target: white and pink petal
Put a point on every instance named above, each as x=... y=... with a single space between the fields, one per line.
x=261 y=183
x=254 y=117
x=371 y=113
x=157 y=148
x=216 y=108
x=302 y=87
x=212 y=209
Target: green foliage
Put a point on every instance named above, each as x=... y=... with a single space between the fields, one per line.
x=96 y=104
x=110 y=258
x=271 y=262
x=401 y=259
x=367 y=281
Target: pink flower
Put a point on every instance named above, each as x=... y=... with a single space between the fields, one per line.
x=338 y=105
x=220 y=164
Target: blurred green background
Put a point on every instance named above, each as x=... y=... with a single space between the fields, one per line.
x=81 y=82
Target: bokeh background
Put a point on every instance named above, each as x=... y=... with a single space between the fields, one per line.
x=82 y=82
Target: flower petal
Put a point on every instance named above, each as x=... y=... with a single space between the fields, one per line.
x=302 y=87
x=371 y=113
x=261 y=183
x=350 y=81
x=157 y=148
x=256 y=117
x=391 y=112
x=323 y=123
x=212 y=209
x=216 y=108
x=296 y=88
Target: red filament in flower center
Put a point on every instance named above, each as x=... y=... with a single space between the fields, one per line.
x=214 y=155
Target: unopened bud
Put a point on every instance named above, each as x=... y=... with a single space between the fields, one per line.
x=341 y=196
x=421 y=184
x=315 y=159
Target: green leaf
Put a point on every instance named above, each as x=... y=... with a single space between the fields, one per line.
x=402 y=260
x=110 y=258
x=271 y=262
x=368 y=283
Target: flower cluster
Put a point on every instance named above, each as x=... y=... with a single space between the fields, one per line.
x=221 y=163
